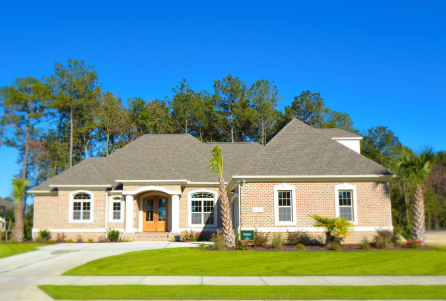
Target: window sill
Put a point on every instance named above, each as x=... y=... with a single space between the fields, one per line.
x=285 y=224
x=116 y=221
x=203 y=226
x=81 y=222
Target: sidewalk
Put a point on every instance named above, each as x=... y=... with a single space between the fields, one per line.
x=242 y=280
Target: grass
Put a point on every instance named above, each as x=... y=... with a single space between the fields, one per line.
x=207 y=292
x=14 y=249
x=186 y=261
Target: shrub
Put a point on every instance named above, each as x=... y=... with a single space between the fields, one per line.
x=45 y=234
x=113 y=235
x=300 y=246
x=406 y=231
x=219 y=240
x=14 y=241
x=60 y=237
x=69 y=241
x=38 y=239
x=364 y=246
x=190 y=235
x=79 y=238
x=203 y=246
x=260 y=238
x=336 y=229
x=276 y=242
x=49 y=242
x=335 y=247
x=28 y=232
x=297 y=237
x=242 y=244
x=396 y=235
x=90 y=241
x=384 y=239
x=413 y=243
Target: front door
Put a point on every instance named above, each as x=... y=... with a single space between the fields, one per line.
x=155 y=213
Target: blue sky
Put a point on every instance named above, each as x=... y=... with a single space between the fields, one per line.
x=383 y=62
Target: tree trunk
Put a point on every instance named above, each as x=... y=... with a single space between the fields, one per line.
x=71 y=136
x=108 y=142
x=228 y=229
x=232 y=129
x=418 y=216
x=263 y=133
x=407 y=203
x=19 y=228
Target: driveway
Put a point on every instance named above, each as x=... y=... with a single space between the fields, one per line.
x=20 y=274
x=437 y=238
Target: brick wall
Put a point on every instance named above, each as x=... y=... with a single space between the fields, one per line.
x=373 y=205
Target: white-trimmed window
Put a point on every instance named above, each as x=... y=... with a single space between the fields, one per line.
x=345 y=197
x=116 y=209
x=285 y=205
x=81 y=207
x=202 y=209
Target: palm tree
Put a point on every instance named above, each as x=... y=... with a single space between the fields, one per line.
x=336 y=228
x=18 y=191
x=415 y=167
x=216 y=165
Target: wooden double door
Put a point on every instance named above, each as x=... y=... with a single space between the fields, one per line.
x=155 y=213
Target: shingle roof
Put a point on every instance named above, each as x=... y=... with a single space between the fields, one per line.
x=338 y=133
x=5 y=203
x=297 y=149
x=301 y=150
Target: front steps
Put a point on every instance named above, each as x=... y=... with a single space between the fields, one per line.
x=154 y=236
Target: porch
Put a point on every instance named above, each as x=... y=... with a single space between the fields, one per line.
x=152 y=213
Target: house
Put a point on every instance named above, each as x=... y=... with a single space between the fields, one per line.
x=158 y=186
x=4 y=205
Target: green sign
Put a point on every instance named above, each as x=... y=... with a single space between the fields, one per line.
x=247 y=235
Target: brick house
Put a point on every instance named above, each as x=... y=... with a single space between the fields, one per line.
x=158 y=186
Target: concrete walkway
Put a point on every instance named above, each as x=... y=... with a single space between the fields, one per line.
x=20 y=274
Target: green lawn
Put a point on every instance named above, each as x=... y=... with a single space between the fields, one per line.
x=186 y=261
x=206 y=292
x=14 y=249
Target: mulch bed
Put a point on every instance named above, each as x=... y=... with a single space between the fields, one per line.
x=319 y=248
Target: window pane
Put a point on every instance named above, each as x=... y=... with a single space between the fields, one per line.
x=76 y=215
x=208 y=206
x=346 y=212
x=117 y=206
x=161 y=209
x=345 y=198
x=196 y=219
x=86 y=205
x=208 y=218
x=149 y=210
x=284 y=198
x=196 y=206
x=86 y=215
x=117 y=215
x=77 y=206
x=285 y=214
x=82 y=196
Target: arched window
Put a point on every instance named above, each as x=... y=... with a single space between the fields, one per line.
x=202 y=208
x=82 y=207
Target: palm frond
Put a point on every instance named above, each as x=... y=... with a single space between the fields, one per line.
x=216 y=163
x=18 y=187
x=415 y=167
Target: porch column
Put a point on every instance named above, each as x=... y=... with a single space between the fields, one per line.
x=129 y=214
x=175 y=214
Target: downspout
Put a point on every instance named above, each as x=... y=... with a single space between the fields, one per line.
x=239 y=208
x=106 y=209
